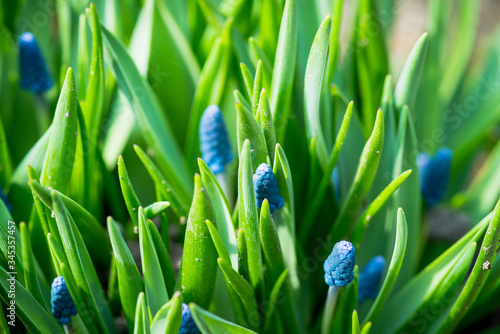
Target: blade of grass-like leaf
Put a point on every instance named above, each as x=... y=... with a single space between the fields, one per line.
x=408 y=81
x=266 y=122
x=368 y=163
x=81 y=266
x=257 y=54
x=257 y=87
x=284 y=63
x=3 y=322
x=355 y=323
x=5 y=160
x=480 y=273
x=198 y=267
x=30 y=278
x=154 y=283
x=131 y=200
x=163 y=258
x=375 y=206
x=417 y=291
x=211 y=323
x=141 y=323
x=326 y=179
x=273 y=302
x=222 y=212
x=394 y=268
x=168 y=318
x=247 y=79
x=240 y=98
x=315 y=72
x=334 y=37
x=149 y=114
x=210 y=87
x=155 y=209
x=129 y=280
x=248 y=217
x=245 y=292
x=62 y=143
x=248 y=128
x=28 y=310
x=179 y=206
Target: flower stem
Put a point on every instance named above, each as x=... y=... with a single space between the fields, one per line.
x=331 y=301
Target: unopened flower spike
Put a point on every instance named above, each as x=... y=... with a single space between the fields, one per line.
x=62 y=303
x=434 y=175
x=188 y=326
x=266 y=187
x=34 y=75
x=369 y=278
x=214 y=141
x=339 y=266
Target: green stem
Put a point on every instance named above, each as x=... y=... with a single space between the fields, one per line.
x=331 y=301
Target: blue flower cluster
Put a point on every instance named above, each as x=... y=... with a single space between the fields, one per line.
x=339 y=266
x=434 y=175
x=188 y=326
x=62 y=303
x=266 y=187
x=33 y=70
x=369 y=278
x=215 y=147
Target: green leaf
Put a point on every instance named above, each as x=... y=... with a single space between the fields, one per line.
x=5 y=160
x=355 y=323
x=198 y=267
x=154 y=282
x=168 y=319
x=276 y=291
x=248 y=216
x=375 y=206
x=284 y=61
x=155 y=209
x=129 y=280
x=155 y=128
x=28 y=310
x=248 y=128
x=257 y=87
x=478 y=276
x=141 y=323
x=266 y=122
x=131 y=200
x=82 y=267
x=247 y=79
x=210 y=323
x=406 y=89
x=394 y=268
x=62 y=143
x=163 y=257
x=368 y=163
x=245 y=292
x=315 y=71
x=334 y=38
x=170 y=194
x=30 y=277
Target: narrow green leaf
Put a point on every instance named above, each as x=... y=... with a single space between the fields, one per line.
x=368 y=163
x=198 y=267
x=211 y=323
x=240 y=98
x=247 y=79
x=248 y=216
x=410 y=75
x=276 y=291
x=5 y=160
x=257 y=87
x=168 y=319
x=334 y=38
x=129 y=280
x=154 y=282
x=355 y=323
x=266 y=122
x=242 y=254
x=163 y=258
x=394 y=267
x=248 y=128
x=28 y=310
x=156 y=130
x=141 y=323
x=284 y=61
x=62 y=143
x=375 y=206
x=30 y=277
x=315 y=71
x=155 y=209
x=131 y=200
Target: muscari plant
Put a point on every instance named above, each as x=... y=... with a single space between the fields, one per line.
x=266 y=164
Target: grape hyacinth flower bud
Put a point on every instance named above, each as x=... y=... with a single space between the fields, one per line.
x=215 y=146
x=369 y=278
x=33 y=69
x=266 y=186
x=339 y=266
x=62 y=303
x=188 y=326
x=434 y=175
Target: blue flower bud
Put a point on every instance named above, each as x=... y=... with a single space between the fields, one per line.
x=215 y=147
x=33 y=70
x=188 y=326
x=369 y=279
x=339 y=266
x=434 y=175
x=266 y=187
x=5 y=200
x=335 y=178
x=62 y=303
